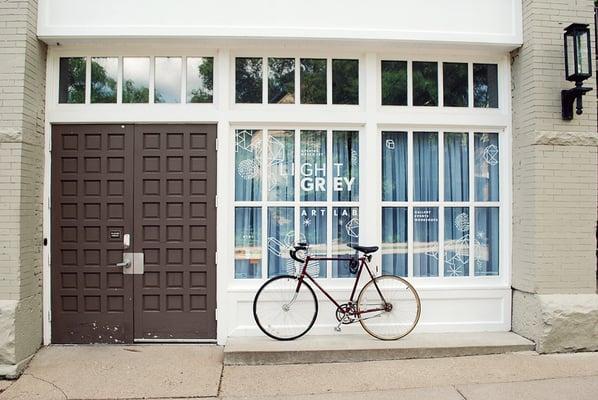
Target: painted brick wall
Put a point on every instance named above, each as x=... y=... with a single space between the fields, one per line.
x=555 y=182
x=22 y=89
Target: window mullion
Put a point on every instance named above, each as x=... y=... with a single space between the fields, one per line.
x=264 y=174
x=441 y=184
x=471 y=176
x=410 y=202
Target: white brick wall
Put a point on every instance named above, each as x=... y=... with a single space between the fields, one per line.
x=555 y=181
x=22 y=88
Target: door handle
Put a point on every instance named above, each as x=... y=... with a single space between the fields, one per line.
x=124 y=264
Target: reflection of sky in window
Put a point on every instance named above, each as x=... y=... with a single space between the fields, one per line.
x=168 y=80
x=136 y=70
x=194 y=79
x=109 y=64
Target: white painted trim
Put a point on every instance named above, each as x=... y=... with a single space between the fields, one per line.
x=369 y=117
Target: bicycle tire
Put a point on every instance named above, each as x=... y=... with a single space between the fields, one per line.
x=371 y=327
x=308 y=295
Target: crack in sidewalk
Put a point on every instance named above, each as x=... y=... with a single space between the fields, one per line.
x=49 y=383
x=460 y=393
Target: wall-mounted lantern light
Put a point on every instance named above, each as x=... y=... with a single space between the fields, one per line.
x=578 y=67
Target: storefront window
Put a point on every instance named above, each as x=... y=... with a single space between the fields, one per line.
x=313 y=81
x=71 y=83
x=467 y=228
x=323 y=180
x=104 y=76
x=136 y=72
x=248 y=80
x=425 y=83
x=345 y=81
x=485 y=85
x=281 y=80
x=455 y=84
x=200 y=79
x=394 y=83
x=167 y=80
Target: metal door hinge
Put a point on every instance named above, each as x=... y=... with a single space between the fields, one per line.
x=49 y=316
x=216 y=258
x=216 y=314
x=216 y=201
x=217 y=144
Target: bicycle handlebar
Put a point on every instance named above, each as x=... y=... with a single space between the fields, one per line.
x=298 y=247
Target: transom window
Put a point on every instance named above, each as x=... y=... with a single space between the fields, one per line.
x=425 y=77
x=280 y=75
x=128 y=80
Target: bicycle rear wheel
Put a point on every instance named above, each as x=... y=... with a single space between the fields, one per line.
x=392 y=315
x=283 y=313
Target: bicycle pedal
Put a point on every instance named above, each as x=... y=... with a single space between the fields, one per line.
x=337 y=328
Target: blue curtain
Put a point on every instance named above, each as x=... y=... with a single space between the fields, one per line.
x=281 y=237
x=248 y=242
x=486 y=166
x=312 y=155
x=456 y=167
x=345 y=164
x=248 y=165
x=394 y=166
x=425 y=166
x=486 y=241
x=456 y=241
x=345 y=230
x=394 y=241
x=281 y=153
x=312 y=221
x=425 y=241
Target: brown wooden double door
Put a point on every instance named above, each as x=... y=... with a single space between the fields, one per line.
x=156 y=184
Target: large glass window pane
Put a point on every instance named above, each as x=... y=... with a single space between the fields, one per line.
x=486 y=241
x=136 y=72
x=71 y=82
x=248 y=242
x=425 y=166
x=345 y=230
x=313 y=221
x=281 y=80
x=456 y=241
x=394 y=83
x=394 y=166
x=313 y=81
x=345 y=165
x=248 y=80
x=281 y=150
x=456 y=167
x=248 y=165
x=345 y=81
x=455 y=84
x=312 y=168
x=200 y=79
x=167 y=79
x=425 y=83
x=104 y=76
x=485 y=85
x=486 y=167
x=281 y=238
x=425 y=241
x=394 y=241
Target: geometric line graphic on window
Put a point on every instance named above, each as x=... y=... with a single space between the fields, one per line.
x=352 y=227
x=244 y=140
x=462 y=222
x=490 y=154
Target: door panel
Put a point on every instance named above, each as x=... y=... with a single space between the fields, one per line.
x=157 y=183
x=92 y=207
x=175 y=228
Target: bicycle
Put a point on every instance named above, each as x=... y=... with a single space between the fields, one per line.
x=286 y=307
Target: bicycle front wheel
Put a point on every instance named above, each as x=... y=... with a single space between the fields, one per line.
x=282 y=312
x=388 y=307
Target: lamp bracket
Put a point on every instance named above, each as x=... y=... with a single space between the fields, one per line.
x=569 y=96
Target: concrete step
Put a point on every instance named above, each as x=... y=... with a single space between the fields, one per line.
x=260 y=350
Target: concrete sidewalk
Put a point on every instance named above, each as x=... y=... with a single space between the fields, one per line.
x=193 y=371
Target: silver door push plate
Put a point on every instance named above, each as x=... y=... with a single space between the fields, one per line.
x=135 y=263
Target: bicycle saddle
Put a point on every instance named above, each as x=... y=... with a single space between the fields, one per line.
x=364 y=249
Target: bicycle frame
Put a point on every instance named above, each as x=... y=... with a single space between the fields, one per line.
x=363 y=263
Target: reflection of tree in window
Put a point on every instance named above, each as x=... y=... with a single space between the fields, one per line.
x=281 y=80
x=134 y=94
x=135 y=80
x=394 y=83
x=248 y=80
x=485 y=85
x=201 y=71
x=425 y=83
x=345 y=82
x=72 y=80
x=103 y=81
x=455 y=81
x=313 y=81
